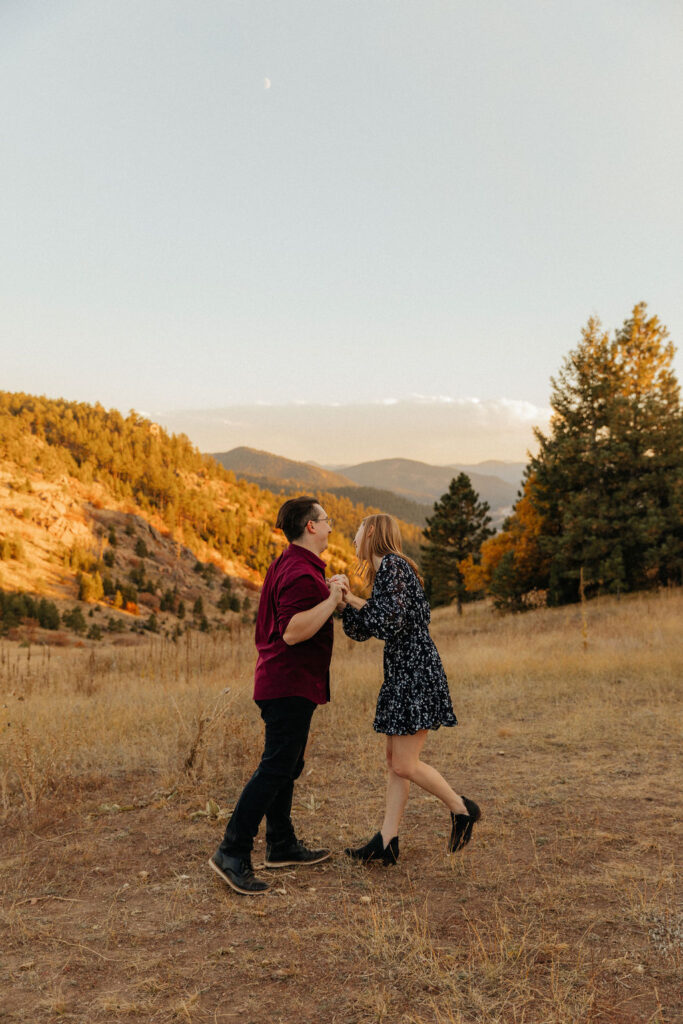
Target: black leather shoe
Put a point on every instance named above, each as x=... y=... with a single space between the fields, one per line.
x=376 y=850
x=474 y=816
x=293 y=854
x=391 y=852
x=238 y=873
x=459 y=823
x=462 y=824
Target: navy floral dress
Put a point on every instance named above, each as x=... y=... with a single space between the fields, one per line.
x=414 y=694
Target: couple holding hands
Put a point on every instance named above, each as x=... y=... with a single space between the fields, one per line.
x=294 y=635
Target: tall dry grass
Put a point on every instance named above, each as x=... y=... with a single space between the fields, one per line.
x=564 y=908
x=528 y=686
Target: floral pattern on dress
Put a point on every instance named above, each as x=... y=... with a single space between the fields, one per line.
x=414 y=694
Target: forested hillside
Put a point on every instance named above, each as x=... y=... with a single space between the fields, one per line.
x=251 y=462
x=105 y=508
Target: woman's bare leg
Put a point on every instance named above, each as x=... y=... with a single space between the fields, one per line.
x=398 y=790
x=406 y=764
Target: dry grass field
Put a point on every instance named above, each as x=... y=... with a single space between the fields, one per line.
x=118 y=766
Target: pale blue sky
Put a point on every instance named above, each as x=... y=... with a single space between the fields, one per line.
x=431 y=197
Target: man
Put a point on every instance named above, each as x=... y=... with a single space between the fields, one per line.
x=294 y=641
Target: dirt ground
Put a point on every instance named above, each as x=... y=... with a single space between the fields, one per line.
x=562 y=909
x=114 y=915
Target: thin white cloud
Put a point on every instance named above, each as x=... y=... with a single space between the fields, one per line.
x=463 y=430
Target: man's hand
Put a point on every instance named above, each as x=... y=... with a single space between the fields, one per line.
x=304 y=625
x=343 y=582
x=337 y=591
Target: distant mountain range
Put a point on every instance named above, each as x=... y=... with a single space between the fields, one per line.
x=422 y=482
x=510 y=471
x=388 y=484
x=276 y=473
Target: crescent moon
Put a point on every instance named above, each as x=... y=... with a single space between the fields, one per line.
x=266 y=83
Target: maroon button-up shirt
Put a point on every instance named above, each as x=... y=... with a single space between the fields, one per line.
x=294 y=583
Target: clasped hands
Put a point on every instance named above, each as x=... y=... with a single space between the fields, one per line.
x=339 y=588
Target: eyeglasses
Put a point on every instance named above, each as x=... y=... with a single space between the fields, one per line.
x=325 y=519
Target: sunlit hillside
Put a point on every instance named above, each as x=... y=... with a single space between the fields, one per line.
x=114 y=511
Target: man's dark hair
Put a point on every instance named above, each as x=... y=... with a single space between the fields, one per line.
x=294 y=515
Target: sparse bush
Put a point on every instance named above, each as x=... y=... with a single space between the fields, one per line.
x=137 y=575
x=13 y=547
x=79 y=558
x=48 y=614
x=90 y=588
x=128 y=592
x=16 y=608
x=75 y=620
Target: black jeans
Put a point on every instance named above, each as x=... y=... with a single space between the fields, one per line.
x=270 y=789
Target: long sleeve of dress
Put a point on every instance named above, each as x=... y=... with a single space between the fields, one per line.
x=386 y=612
x=414 y=694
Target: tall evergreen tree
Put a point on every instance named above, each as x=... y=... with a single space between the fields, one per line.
x=609 y=474
x=456 y=531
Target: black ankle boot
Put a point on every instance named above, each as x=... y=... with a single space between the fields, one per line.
x=459 y=825
x=462 y=824
x=376 y=850
x=391 y=852
x=474 y=816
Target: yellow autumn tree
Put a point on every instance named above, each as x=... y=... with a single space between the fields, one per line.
x=512 y=565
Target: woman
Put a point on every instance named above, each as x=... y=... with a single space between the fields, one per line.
x=414 y=695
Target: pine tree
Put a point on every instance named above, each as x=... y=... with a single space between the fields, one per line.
x=456 y=530
x=48 y=615
x=513 y=565
x=609 y=474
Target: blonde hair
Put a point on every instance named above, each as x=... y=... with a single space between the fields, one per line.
x=381 y=536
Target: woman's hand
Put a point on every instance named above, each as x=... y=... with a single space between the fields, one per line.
x=341 y=579
x=349 y=597
x=337 y=592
